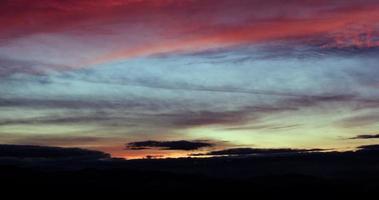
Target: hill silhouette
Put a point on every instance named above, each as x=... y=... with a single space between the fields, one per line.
x=57 y=169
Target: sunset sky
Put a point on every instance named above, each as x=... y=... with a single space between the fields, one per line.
x=138 y=77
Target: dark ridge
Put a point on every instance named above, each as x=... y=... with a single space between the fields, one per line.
x=29 y=151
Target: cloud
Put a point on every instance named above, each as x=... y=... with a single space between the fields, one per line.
x=375 y=136
x=28 y=151
x=263 y=126
x=205 y=118
x=54 y=120
x=255 y=151
x=9 y=66
x=155 y=82
x=169 y=145
x=315 y=100
x=246 y=114
x=57 y=140
x=278 y=50
x=361 y=120
x=136 y=28
x=174 y=115
x=96 y=104
x=373 y=147
x=248 y=29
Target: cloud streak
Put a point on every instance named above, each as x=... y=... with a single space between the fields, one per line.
x=375 y=136
x=255 y=151
x=174 y=115
x=169 y=145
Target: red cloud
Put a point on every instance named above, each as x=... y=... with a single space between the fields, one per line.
x=122 y=29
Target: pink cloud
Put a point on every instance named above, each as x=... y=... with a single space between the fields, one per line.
x=112 y=30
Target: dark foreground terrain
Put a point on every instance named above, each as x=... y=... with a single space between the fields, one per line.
x=27 y=168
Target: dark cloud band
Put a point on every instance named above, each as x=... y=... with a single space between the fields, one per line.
x=169 y=145
x=255 y=151
x=376 y=136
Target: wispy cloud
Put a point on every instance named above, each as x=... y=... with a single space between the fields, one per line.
x=9 y=66
x=139 y=28
x=172 y=115
x=361 y=120
x=262 y=127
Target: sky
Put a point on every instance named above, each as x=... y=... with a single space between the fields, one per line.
x=171 y=78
